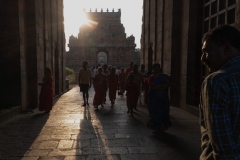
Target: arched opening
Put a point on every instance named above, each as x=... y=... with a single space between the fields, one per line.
x=102 y=58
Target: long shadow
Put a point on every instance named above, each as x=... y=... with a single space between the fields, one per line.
x=115 y=129
x=18 y=134
x=101 y=131
x=91 y=139
x=179 y=146
x=174 y=138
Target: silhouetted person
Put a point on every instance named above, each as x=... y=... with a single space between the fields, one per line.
x=158 y=100
x=46 y=94
x=144 y=74
x=99 y=86
x=85 y=81
x=132 y=94
x=138 y=79
x=112 y=79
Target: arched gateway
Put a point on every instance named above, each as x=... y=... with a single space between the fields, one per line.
x=102 y=58
x=103 y=42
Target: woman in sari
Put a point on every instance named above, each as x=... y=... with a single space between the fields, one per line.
x=99 y=86
x=46 y=94
x=158 y=100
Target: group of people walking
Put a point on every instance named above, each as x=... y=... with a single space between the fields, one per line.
x=134 y=83
x=219 y=98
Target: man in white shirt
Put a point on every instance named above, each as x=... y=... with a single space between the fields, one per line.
x=85 y=82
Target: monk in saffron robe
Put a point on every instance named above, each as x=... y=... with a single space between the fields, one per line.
x=99 y=86
x=46 y=93
x=132 y=94
x=112 y=85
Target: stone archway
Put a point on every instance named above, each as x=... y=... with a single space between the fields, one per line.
x=102 y=58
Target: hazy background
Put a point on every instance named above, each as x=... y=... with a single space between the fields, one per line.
x=131 y=15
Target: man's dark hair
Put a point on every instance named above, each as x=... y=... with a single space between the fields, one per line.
x=222 y=34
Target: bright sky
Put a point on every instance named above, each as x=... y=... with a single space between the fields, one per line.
x=131 y=15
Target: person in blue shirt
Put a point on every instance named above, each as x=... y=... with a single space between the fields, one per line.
x=220 y=95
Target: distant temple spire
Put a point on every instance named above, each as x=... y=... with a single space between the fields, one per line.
x=96 y=10
x=107 y=9
x=101 y=10
x=113 y=10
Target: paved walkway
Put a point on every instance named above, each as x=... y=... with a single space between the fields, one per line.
x=73 y=132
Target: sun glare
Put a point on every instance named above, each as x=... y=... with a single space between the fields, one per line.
x=83 y=19
x=75 y=16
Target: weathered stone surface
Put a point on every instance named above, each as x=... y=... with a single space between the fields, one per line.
x=103 y=43
x=106 y=134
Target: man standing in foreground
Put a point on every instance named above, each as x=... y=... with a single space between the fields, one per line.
x=220 y=95
x=85 y=82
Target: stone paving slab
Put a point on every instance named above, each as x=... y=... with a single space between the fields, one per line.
x=74 y=132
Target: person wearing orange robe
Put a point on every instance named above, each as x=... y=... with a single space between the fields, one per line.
x=99 y=86
x=106 y=73
x=138 y=79
x=112 y=86
x=132 y=94
x=46 y=93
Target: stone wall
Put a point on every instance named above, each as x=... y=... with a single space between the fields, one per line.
x=176 y=29
x=105 y=35
x=38 y=42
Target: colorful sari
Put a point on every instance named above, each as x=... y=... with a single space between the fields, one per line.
x=46 y=94
x=158 y=104
x=99 y=86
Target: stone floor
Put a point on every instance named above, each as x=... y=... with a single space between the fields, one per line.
x=74 y=132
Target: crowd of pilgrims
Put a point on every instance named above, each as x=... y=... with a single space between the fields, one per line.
x=138 y=85
x=132 y=83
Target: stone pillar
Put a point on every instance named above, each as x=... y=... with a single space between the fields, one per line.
x=150 y=56
x=237 y=14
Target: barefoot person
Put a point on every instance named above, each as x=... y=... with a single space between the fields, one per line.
x=158 y=100
x=132 y=94
x=46 y=94
x=138 y=79
x=112 y=86
x=85 y=82
x=99 y=87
